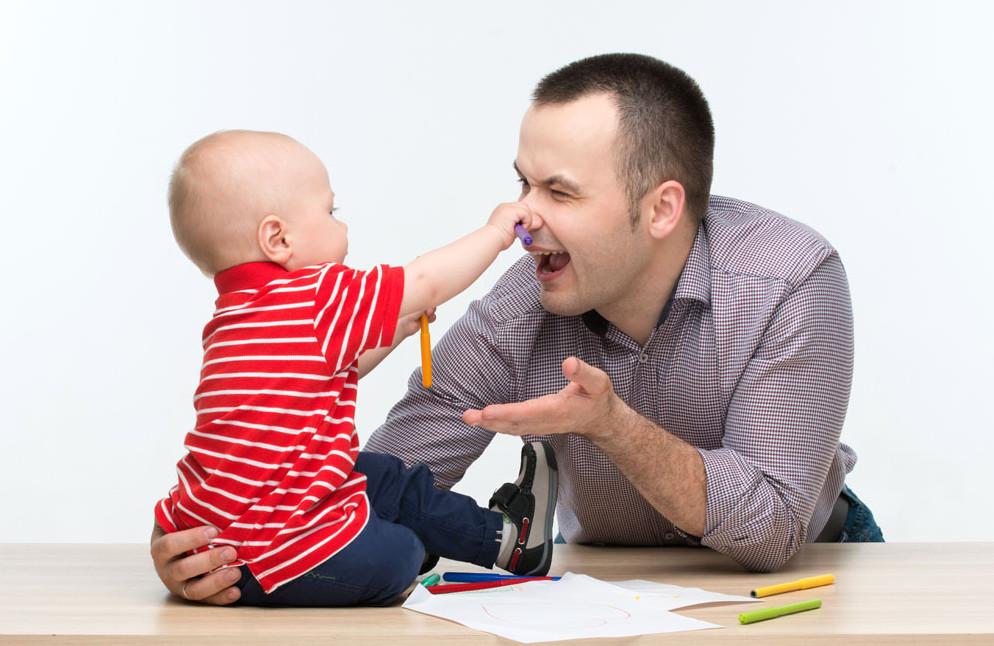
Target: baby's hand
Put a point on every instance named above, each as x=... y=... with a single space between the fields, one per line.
x=410 y=324
x=506 y=215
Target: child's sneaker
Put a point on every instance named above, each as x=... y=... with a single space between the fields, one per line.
x=528 y=505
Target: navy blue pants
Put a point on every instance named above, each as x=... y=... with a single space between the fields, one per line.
x=410 y=516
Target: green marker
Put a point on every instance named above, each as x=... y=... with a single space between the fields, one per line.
x=430 y=580
x=779 y=611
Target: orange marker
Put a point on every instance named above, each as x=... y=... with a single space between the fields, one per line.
x=425 y=353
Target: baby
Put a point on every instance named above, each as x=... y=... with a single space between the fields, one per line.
x=273 y=462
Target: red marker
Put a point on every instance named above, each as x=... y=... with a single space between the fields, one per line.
x=484 y=585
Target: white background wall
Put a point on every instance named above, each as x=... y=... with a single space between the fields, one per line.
x=869 y=121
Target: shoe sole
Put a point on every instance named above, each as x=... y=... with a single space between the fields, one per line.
x=543 y=451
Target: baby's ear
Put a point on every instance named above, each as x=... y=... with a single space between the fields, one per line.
x=272 y=239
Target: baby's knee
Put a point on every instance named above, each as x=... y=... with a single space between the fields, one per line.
x=404 y=565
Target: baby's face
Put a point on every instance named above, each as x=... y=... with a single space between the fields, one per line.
x=317 y=235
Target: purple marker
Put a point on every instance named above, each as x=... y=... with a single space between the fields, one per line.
x=522 y=234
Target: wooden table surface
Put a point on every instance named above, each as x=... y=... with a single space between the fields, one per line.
x=909 y=593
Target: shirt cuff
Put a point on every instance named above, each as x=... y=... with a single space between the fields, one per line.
x=746 y=518
x=162 y=516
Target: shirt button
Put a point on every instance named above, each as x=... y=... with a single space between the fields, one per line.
x=643 y=357
x=669 y=536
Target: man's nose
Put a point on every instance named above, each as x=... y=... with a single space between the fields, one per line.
x=537 y=221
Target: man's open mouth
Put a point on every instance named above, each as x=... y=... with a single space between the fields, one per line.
x=549 y=263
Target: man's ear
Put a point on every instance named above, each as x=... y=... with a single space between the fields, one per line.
x=273 y=239
x=666 y=204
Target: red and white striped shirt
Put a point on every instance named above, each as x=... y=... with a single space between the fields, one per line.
x=270 y=461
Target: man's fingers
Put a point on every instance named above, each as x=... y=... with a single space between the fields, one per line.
x=225 y=597
x=213 y=588
x=531 y=410
x=488 y=419
x=189 y=567
x=591 y=379
x=526 y=416
x=173 y=545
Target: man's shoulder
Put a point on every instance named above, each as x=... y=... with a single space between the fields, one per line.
x=748 y=239
x=515 y=295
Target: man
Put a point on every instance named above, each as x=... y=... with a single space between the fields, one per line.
x=689 y=357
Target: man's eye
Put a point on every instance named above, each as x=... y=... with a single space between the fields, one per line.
x=559 y=195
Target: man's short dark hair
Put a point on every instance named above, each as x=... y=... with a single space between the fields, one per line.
x=665 y=126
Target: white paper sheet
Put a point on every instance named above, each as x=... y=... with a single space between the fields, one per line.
x=674 y=596
x=577 y=606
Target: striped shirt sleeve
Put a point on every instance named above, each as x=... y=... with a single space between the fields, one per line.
x=783 y=425
x=355 y=311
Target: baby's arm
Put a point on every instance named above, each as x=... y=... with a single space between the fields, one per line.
x=438 y=275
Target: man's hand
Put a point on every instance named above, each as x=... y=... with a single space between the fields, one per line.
x=667 y=471
x=187 y=576
x=586 y=406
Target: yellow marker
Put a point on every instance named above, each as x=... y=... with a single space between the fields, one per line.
x=794 y=586
x=425 y=353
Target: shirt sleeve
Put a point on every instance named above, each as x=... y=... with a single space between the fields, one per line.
x=164 y=515
x=783 y=425
x=355 y=311
x=426 y=426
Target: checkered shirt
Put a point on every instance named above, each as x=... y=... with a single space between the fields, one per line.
x=751 y=363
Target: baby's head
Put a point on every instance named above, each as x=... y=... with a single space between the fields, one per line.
x=240 y=196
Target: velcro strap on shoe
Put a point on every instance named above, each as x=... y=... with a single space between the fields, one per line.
x=508 y=498
x=503 y=496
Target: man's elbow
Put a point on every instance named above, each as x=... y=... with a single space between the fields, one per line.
x=767 y=562
x=768 y=551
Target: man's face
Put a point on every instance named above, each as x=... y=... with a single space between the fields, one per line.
x=567 y=166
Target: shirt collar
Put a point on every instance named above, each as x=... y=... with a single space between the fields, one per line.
x=694 y=284
x=250 y=275
x=695 y=279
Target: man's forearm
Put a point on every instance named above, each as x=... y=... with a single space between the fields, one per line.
x=668 y=472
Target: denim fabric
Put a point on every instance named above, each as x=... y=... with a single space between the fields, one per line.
x=410 y=517
x=860 y=526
